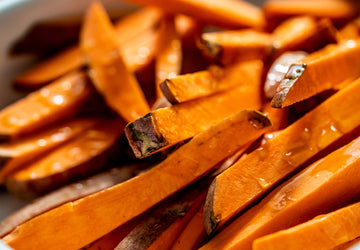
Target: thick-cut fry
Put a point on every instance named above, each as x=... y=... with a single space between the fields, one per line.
x=194 y=234
x=337 y=10
x=81 y=157
x=127 y=29
x=225 y=13
x=110 y=76
x=328 y=183
x=94 y=216
x=16 y=153
x=230 y=46
x=323 y=232
x=161 y=228
x=203 y=83
x=328 y=68
x=303 y=33
x=165 y=127
x=259 y=171
x=168 y=59
x=47 y=105
x=65 y=194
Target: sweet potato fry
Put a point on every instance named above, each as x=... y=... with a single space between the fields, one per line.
x=230 y=46
x=161 y=228
x=262 y=169
x=94 y=216
x=204 y=83
x=109 y=74
x=193 y=235
x=329 y=68
x=303 y=33
x=336 y=10
x=168 y=59
x=47 y=105
x=81 y=157
x=70 y=59
x=323 y=232
x=16 y=153
x=139 y=51
x=278 y=70
x=225 y=13
x=67 y=193
x=52 y=68
x=165 y=127
x=331 y=182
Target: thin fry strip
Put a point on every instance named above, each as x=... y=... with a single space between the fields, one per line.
x=94 y=216
x=262 y=169
x=109 y=74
